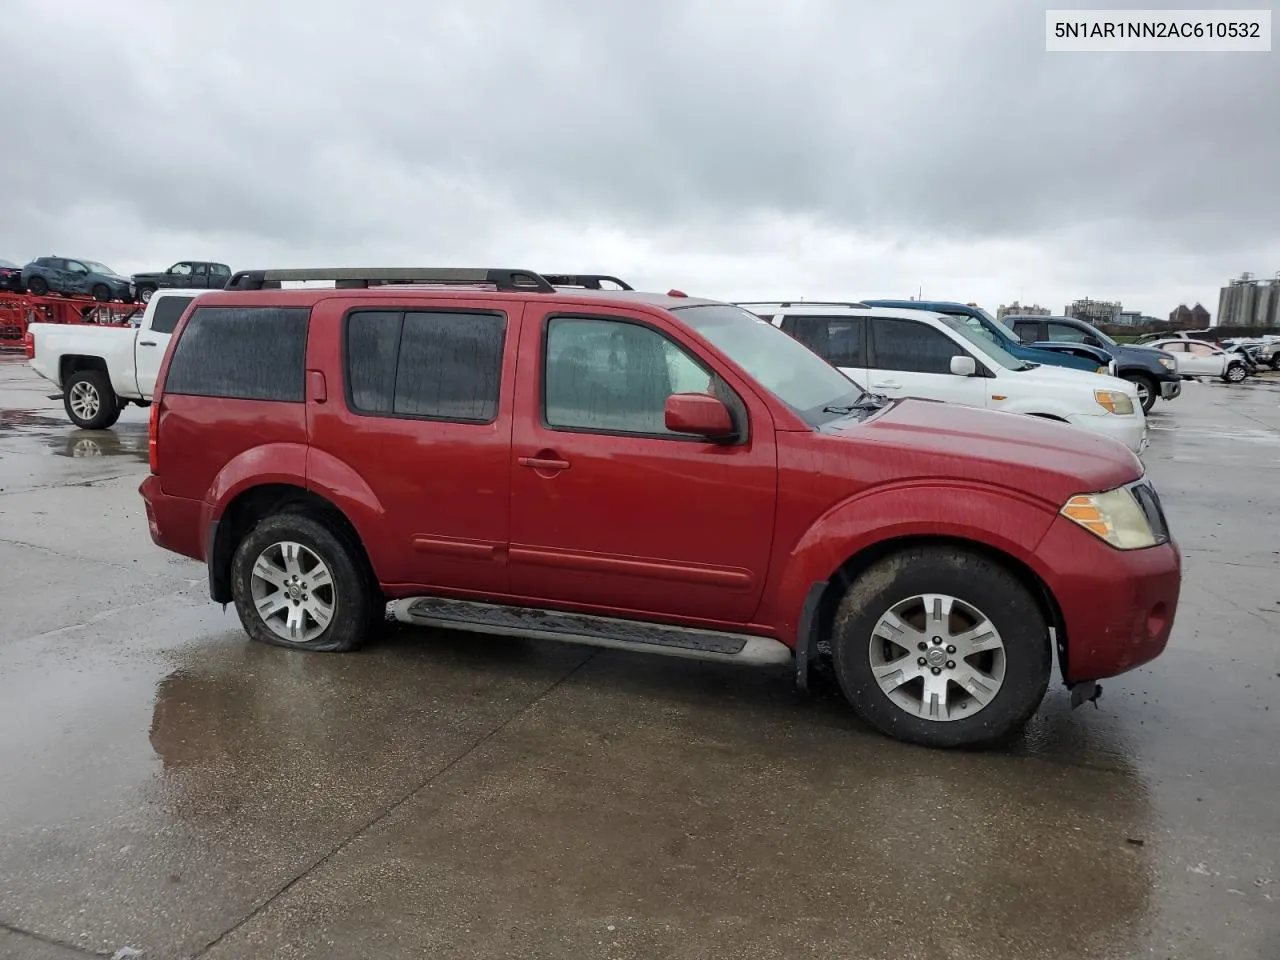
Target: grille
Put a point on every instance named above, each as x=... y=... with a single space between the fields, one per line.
x=1145 y=494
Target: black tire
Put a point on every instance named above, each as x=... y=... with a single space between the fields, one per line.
x=91 y=384
x=357 y=607
x=975 y=580
x=1235 y=373
x=1145 y=386
x=1275 y=361
x=143 y=294
x=39 y=286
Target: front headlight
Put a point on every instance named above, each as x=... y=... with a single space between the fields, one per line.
x=1114 y=516
x=1114 y=402
x=1168 y=363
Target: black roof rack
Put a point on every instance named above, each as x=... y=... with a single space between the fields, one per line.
x=589 y=280
x=362 y=277
x=857 y=304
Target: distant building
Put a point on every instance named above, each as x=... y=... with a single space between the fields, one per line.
x=1130 y=318
x=1189 y=318
x=1250 y=302
x=1094 y=311
x=1018 y=310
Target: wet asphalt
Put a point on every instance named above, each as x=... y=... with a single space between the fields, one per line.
x=169 y=787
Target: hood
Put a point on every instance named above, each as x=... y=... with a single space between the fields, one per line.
x=1045 y=458
x=1070 y=375
x=1134 y=349
x=146 y=276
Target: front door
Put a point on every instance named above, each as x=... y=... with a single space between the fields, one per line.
x=1203 y=360
x=908 y=358
x=612 y=511
x=200 y=276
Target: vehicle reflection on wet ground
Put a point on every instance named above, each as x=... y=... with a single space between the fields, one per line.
x=171 y=787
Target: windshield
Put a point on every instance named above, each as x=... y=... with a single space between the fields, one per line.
x=801 y=379
x=6 y=263
x=985 y=341
x=1106 y=341
x=989 y=334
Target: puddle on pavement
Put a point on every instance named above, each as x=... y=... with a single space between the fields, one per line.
x=15 y=419
x=105 y=443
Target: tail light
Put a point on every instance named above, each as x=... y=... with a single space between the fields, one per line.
x=153 y=430
x=29 y=345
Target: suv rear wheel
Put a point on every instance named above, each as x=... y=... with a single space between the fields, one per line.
x=941 y=647
x=298 y=583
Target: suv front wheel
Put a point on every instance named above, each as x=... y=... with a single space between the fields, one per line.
x=298 y=583
x=941 y=647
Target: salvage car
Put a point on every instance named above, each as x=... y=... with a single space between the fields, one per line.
x=654 y=473
x=916 y=353
x=11 y=276
x=100 y=370
x=69 y=277
x=1197 y=359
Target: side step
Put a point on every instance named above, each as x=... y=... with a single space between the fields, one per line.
x=612 y=632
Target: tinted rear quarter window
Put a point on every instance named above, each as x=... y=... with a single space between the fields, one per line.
x=246 y=353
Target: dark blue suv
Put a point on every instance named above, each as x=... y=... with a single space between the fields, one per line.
x=1077 y=356
x=64 y=275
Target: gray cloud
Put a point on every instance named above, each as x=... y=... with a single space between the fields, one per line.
x=939 y=139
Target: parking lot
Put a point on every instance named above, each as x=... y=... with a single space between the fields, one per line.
x=170 y=787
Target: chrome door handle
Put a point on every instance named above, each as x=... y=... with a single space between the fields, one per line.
x=888 y=384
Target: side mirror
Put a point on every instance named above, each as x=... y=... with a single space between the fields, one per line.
x=698 y=413
x=964 y=366
x=1093 y=342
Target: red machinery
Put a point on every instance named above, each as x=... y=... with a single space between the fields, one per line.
x=18 y=310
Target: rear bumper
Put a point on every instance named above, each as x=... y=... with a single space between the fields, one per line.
x=1118 y=606
x=175 y=523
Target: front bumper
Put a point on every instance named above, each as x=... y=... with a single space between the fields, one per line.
x=1118 y=606
x=1130 y=430
x=1170 y=388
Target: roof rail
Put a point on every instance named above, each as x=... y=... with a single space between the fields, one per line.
x=856 y=304
x=589 y=280
x=362 y=277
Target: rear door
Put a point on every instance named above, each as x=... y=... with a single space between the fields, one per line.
x=908 y=358
x=416 y=423
x=153 y=339
x=611 y=510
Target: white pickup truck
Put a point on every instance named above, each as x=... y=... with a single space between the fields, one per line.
x=100 y=370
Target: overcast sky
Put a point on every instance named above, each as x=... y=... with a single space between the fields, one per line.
x=731 y=148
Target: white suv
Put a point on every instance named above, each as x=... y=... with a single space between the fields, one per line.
x=915 y=353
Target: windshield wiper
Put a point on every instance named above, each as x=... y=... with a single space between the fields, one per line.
x=868 y=401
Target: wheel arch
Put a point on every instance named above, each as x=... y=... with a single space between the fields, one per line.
x=847 y=572
x=255 y=503
x=71 y=363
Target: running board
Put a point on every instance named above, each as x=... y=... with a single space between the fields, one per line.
x=612 y=632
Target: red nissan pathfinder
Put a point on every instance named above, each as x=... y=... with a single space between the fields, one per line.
x=488 y=451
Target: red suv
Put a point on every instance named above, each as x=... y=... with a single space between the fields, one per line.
x=653 y=472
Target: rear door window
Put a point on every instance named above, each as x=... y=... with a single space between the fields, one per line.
x=243 y=353
x=434 y=365
x=168 y=313
x=838 y=340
